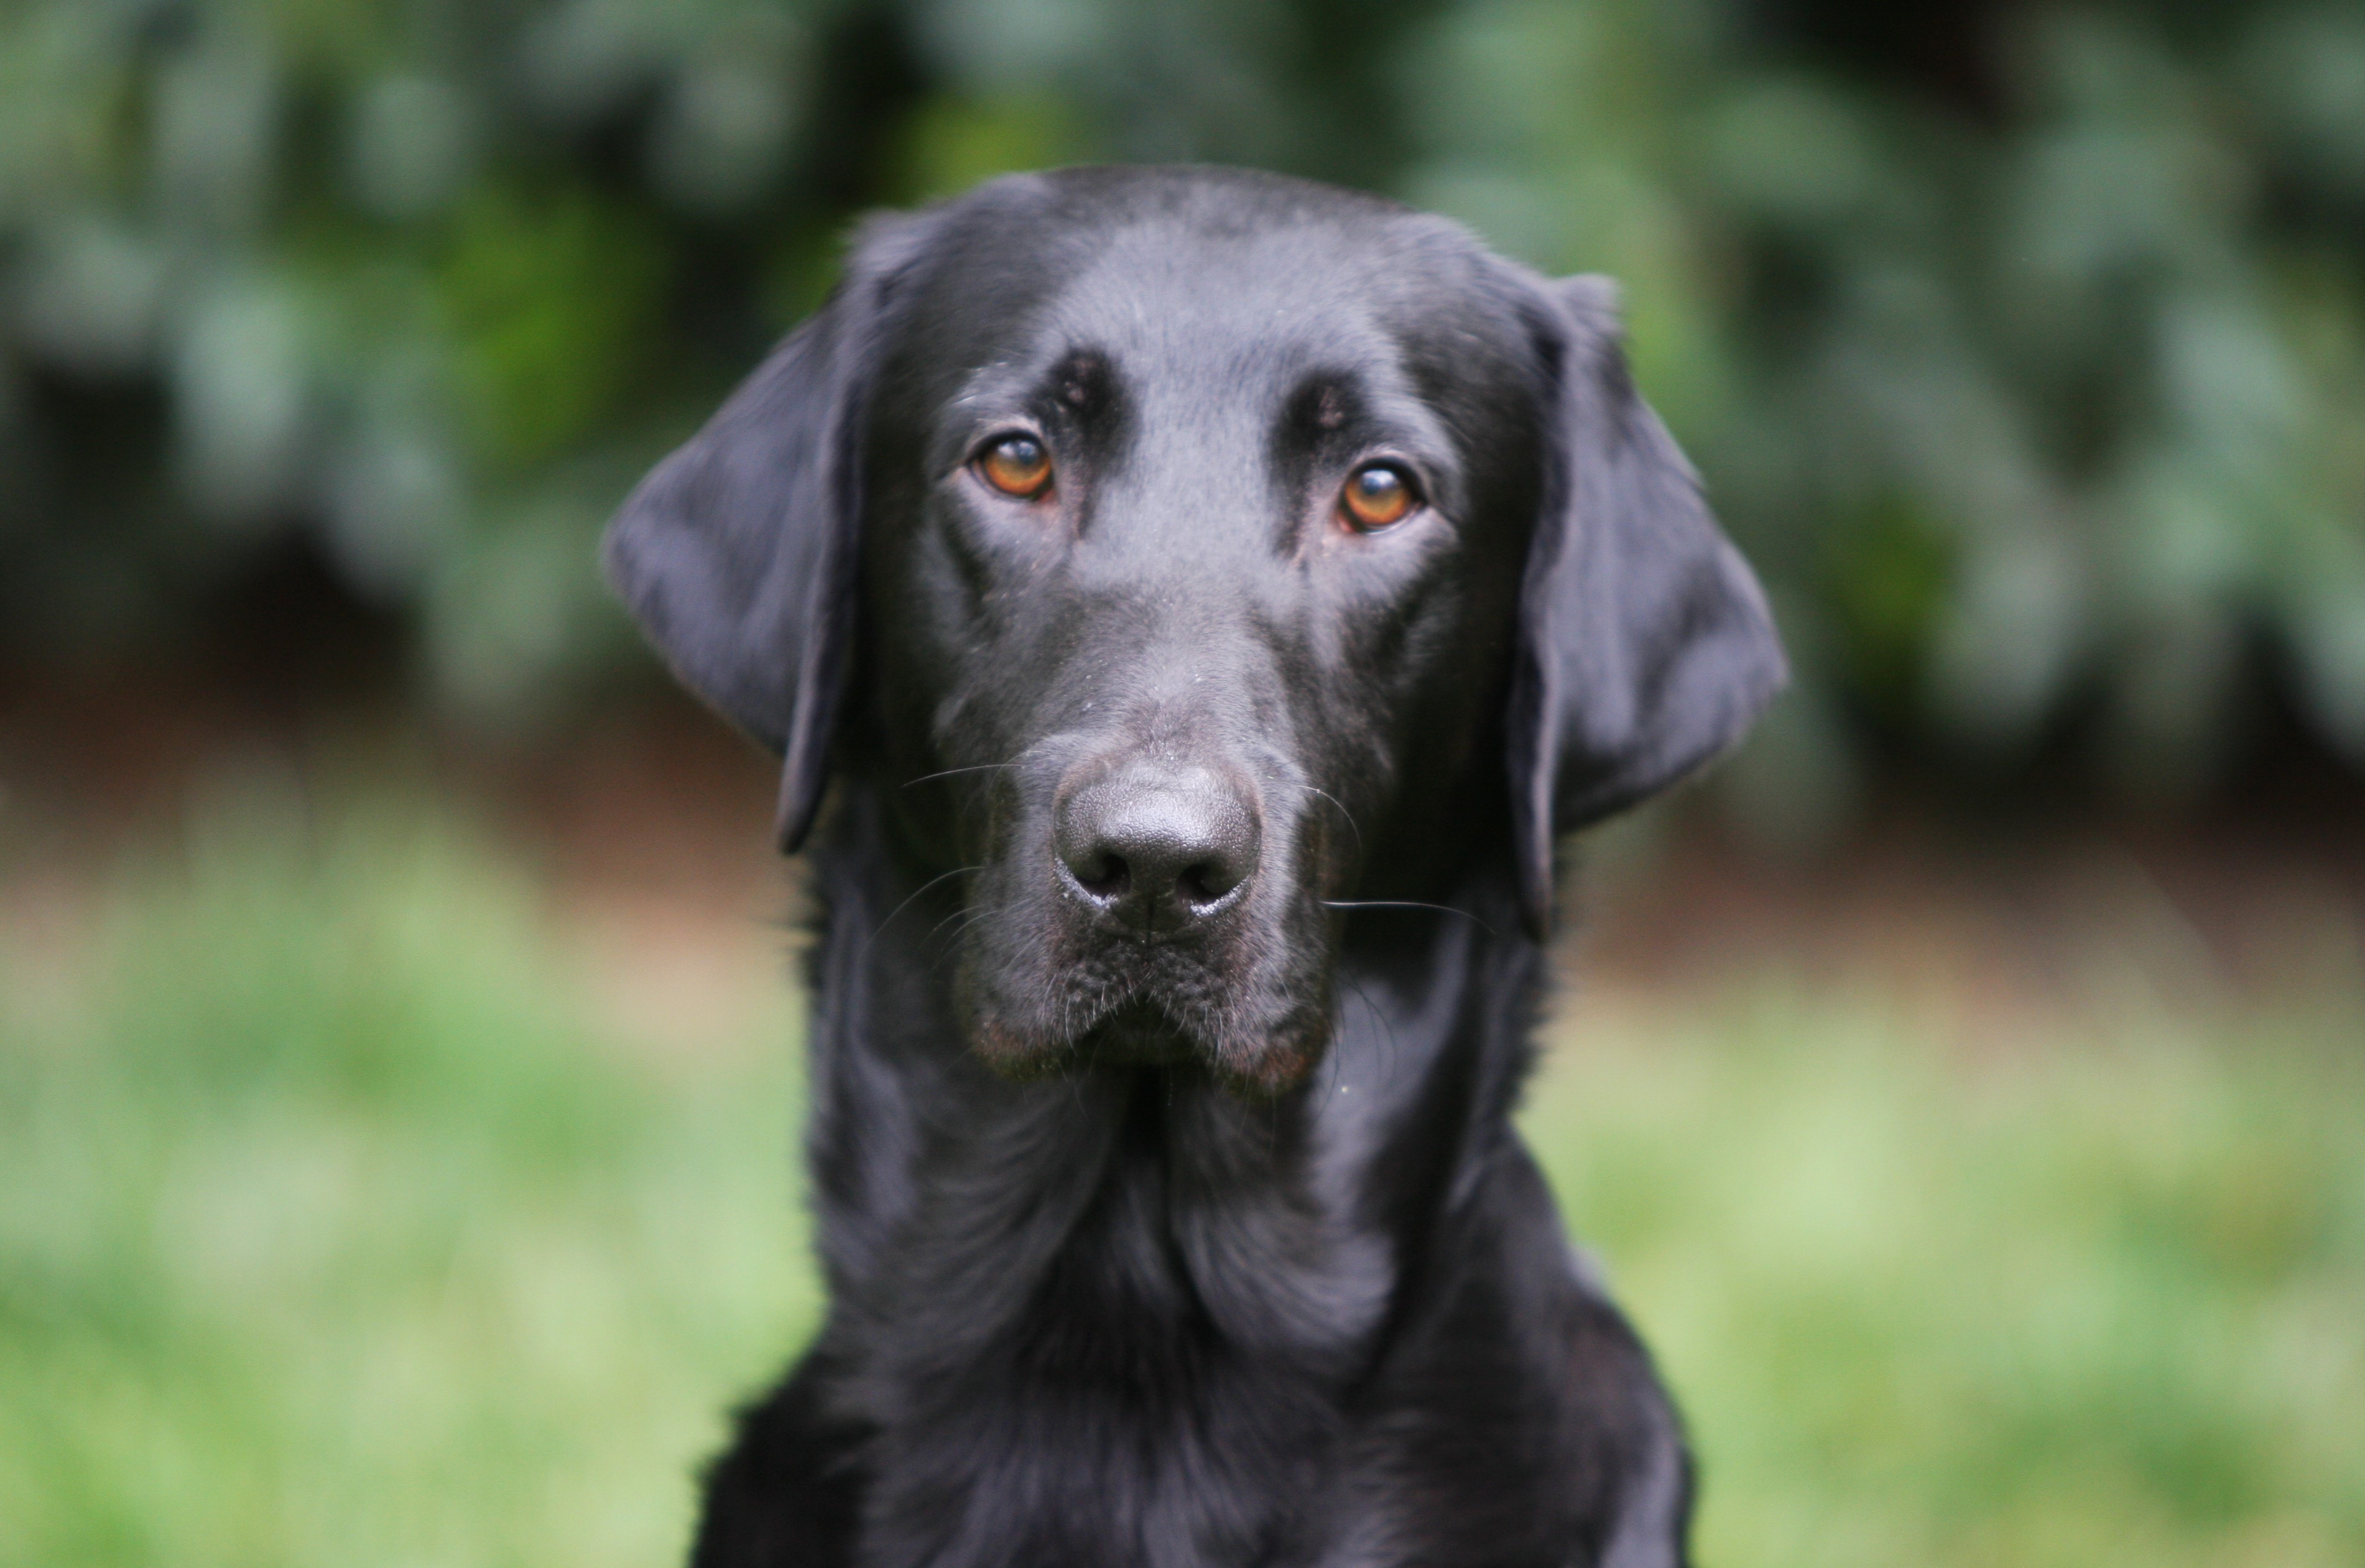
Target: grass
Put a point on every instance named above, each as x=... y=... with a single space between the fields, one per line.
x=335 y=1228
x=332 y=1233
x=2100 y=1301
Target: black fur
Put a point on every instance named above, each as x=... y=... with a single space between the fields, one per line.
x=1169 y=1204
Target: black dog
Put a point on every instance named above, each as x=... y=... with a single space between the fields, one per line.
x=1214 y=592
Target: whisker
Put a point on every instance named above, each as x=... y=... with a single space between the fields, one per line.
x=863 y=958
x=1351 y=825
x=948 y=773
x=969 y=919
x=1395 y=1052
x=971 y=911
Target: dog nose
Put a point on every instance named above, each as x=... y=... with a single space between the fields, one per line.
x=1157 y=851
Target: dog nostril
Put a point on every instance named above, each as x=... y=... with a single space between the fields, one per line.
x=1107 y=875
x=1156 y=851
x=1205 y=881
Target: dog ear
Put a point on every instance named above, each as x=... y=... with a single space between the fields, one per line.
x=737 y=554
x=1646 y=645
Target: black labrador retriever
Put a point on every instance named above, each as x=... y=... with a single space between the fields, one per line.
x=1212 y=593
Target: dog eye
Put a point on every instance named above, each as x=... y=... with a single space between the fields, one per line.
x=1016 y=465
x=1378 y=495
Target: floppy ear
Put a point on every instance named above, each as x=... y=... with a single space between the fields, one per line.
x=737 y=554
x=1645 y=646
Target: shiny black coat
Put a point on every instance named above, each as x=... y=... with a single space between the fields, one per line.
x=1183 y=894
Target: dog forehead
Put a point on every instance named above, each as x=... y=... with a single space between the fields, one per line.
x=1234 y=308
x=1197 y=274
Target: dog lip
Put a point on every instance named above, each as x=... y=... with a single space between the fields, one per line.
x=1125 y=1005
x=1140 y=1031
x=1140 y=1035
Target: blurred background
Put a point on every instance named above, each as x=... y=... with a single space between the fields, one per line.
x=1965 y=1085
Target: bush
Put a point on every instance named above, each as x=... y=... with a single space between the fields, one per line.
x=2030 y=365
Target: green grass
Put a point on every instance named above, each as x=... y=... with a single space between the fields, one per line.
x=334 y=1229
x=332 y=1233
x=2099 y=1301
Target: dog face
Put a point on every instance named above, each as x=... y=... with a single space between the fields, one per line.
x=1206 y=549
x=1198 y=556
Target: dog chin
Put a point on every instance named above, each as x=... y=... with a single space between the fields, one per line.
x=1258 y=1064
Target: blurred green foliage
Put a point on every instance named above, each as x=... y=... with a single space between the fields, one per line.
x=338 y=1227
x=2022 y=346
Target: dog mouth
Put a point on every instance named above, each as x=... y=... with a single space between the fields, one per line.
x=1061 y=1021
x=1138 y=1033
x=1149 y=912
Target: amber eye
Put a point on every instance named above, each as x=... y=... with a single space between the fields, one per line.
x=1377 y=494
x=1016 y=465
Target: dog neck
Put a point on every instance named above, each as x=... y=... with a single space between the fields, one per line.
x=1133 y=1244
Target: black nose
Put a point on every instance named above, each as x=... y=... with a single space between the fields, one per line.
x=1155 y=849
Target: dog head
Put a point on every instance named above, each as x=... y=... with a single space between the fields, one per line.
x=1183 y=555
